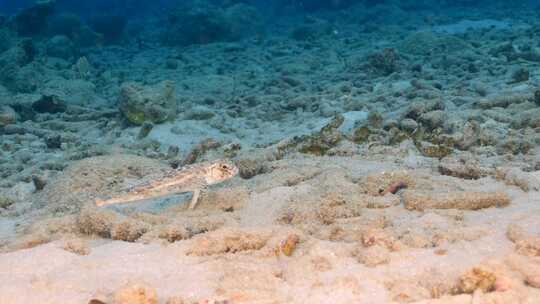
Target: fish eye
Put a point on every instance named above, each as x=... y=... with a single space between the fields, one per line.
x=224 y=166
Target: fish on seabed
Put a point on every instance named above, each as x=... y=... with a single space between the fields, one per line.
x=195 y=179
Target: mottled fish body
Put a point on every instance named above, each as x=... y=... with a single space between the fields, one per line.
x=190 y=179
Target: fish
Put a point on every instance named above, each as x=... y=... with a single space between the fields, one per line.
x=195 y=178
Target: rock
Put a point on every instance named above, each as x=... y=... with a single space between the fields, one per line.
x=176 y=300
x=12 y=61
x=380 y=184
x=64 y=24
x=111 y=27
x=417 y=200
x=528 y=267
x=108 y=224
x=352 y=119
x=463 y=167
x=477 y=278
x=148 y=104
x=60 y=46
x=407 y=292
x=250 y=167
x=520 y=75
x=8 y=116
x=171 y=64
x=78 y=92
x=33 y=20
x=136 y=293
x=200 y=149
x=312 y=30
x=146 y=128
x=514 y=176
x=6 y=39
x=39 y=182
x=430 y=44
x=5 y=202
x=373 y=256
x=375 y=119
x=328 y=137
x=228 y=241
x=244 y=21
x=202 y=22
x=417 y=108
x=502 y=100
x=49 y=104
x=524 y=119
x=468 y=136
x=361 y=135
x=77 y=246
x=433 y=119
x=433 y=150
x=53 y=141
x=199 y=113
x=173 y=152
x=408 y=125
x=383 y=63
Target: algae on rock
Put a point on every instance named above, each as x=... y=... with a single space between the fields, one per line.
x=329 y=136
x=140 y=104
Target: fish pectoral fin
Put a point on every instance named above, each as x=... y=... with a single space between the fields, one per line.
x=196 y=197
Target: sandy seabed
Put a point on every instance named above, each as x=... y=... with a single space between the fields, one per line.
x=389 y=161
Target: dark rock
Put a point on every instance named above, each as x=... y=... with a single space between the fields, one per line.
x=201 y=23
x=311 y=30
x=171 y=64
x=24 y=110
x=111 y=27
x=197 y=25
x=29 y=48
x=520 y=75
x=537 y=97
x=65 y=24
x=39 y=182
x=33 y=20
x=173 y=152
x=198 y=150
x=328 y=137
x=14 y=129
x=14 y=61
x=49 y=104
x=53 y=141
x=248 y=168
x=383 y=63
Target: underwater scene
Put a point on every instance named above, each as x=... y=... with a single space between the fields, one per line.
x=269 y=152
